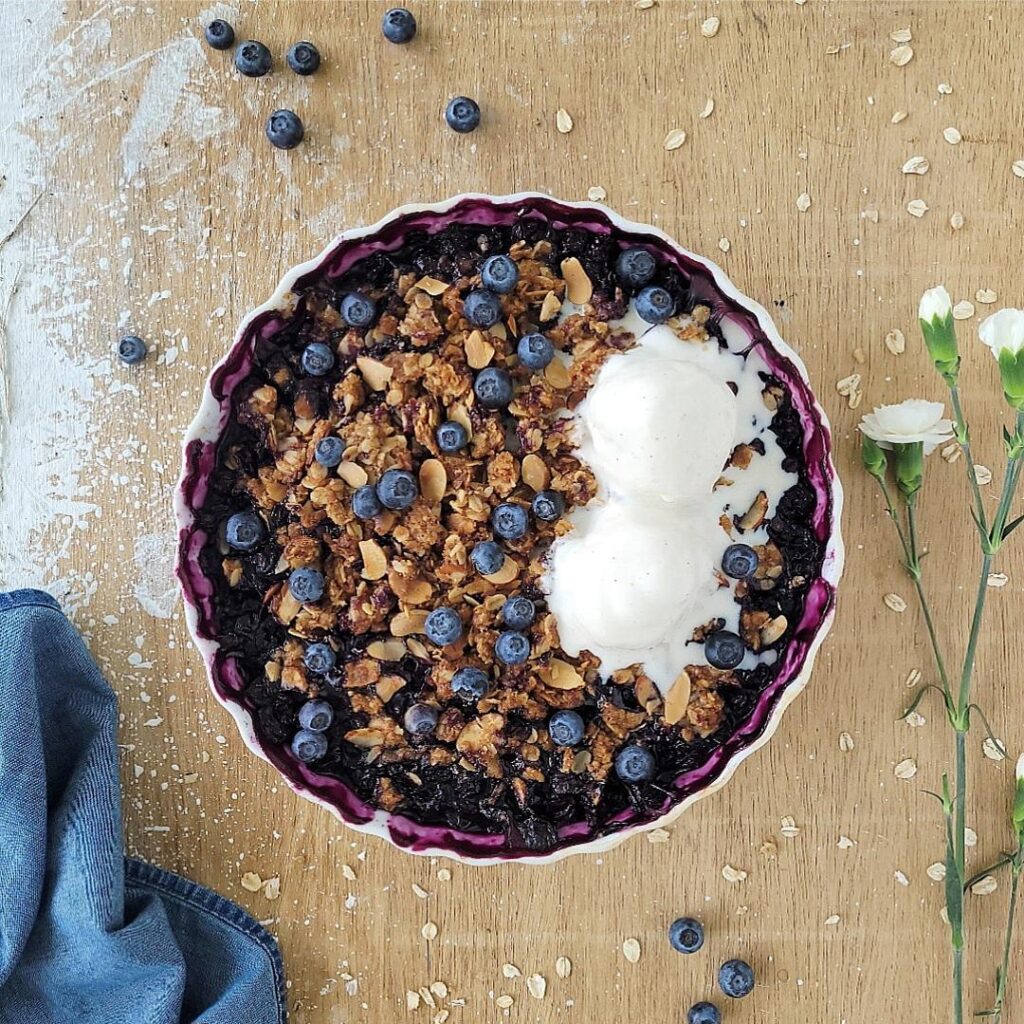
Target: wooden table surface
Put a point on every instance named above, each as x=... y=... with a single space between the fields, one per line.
x=152 y=201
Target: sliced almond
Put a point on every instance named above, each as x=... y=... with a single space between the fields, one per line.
x=560 y=675
x=407 y=623
x=433 y=480
x=365 y=738
x=479 y=351
x=374 y=372
x=288 y=608
x=550 y=307
x=387 y=650
x=431 y=286
x=755 y=515
x=506 y=574
x=388 y=686
x=773 y=630
x=375 y=562
x=557 y=374
x=578 y=287
x=353 y=474
x=536 y=474
x=678 y=699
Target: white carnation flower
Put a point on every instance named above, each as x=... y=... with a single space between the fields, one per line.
x=1004 y=331
x=935 y=303
x=907 y=423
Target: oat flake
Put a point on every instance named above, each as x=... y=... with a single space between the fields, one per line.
x=983 y=475
x=511 y=971
x=846 y=843
x=945 y=89
x=896 y=342
x=832 y=919
x=563 y=967
x=440 y=989
x=251 y=882
x=952 y=136
x=951 y=452
x=963 y=310
x=913 y=678
x=503 y=1002
x=724 y=244
x=901 y=878
x=998 y=579
x=348 y=873
x=731 y=874
x=895 y=603
x=412 y=1000
x=985 y=886
x=790 y=829
x=658 y=835
x=420 y=891
x=563 y=121
x=444 y=875
x=970 y=837
x=956 y=220
x=936 y=872
x=631 y=950
x=674 y=139
x=916 y=165
x=915 y=720
x=710 y=28
x=1018 y=168
x=901 y=55
x=901 y=35
x=536 y=985
x=429 y=931
x=906 y=769
x=708 y=108
x=917 y=207
x=845 y=742
x=596 y=193
x=803 y=202
x=994 y=750
x=900 y=115
x=986 y=296
x=644 y=5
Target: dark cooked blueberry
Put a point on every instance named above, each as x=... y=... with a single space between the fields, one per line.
x=320 y=658
x=510 y=521
x=487 y=557
x=482 y=308
x=655 y=305
x=253 y=59
x=635 y=267
x=462 y=114
x=317 y=359
x=724 y=649
x=306 y=585
x=244 y=530
x=285 y=129
x=452 y=437
x=703 y=1013
x=219 y=34
x=443 y=626
x=493 y=388
x=131 y=349
x=398 y=25
x=739 y=561
x=565 y=728
x=329 y=450
x=535 y=351
x=365 y=503
x=736 y=978
x=518 y=612
x=499 y=274
x=512 y=648
x=397 y=489
x=420 y=719
x=548 y=505
x=316 y=715
x=303 y=58
x=686 y=935
x=358 y=310
x=309 y=746
x=634 y=763
x=469 y=684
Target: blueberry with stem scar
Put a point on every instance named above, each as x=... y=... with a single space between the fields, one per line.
x=365 y=503
x=397 y=489
x=499 y=274
x=316 y=715
x=462 y=114
x=451 y=437
x=469 y=684
x=634 y=764
x=320 y=658
x=493 y=388
x=487 y=557
x=244 y=530
x=565 y=728
x=724 y=649
x=443 y=626
x=309 y=746
x=306 y=585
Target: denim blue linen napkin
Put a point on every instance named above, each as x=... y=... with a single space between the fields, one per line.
x=88 y=936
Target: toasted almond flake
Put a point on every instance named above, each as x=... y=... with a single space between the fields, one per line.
x=433 y=480
x=550 y=307
x=936 y=872
x=596 y=193
x=901 y=877
x=504 y=1002
x=365 y=739
x=985 y=886
x=915 y=720
x=945 y=89
x=896 y=342
x=956 y=220
x=1018 y=168
x=997 y=579
x=970 y=837
x=479 y=351
x=832 y=919
x=708 y=109
x=983 y=475
x=901 y=35
x=731 y=874
x=348 y=872
x=510 y=971
x=724 y=244
x=906 y=769
x=845 y=742
x=773 y=630
x=952 y=136
x=272 y=888
x=375 y=562
x=412 y=1000
x=374 y=372
x=895 y=603
x=560 y=675
x=419 y=891
x=658 y=835
x=709 y=27
x=678 y=699
x=916 y=165
x=578 y=286
x=506 y=574
x=803 y=202
x=900 y=115
x=429 y=931
x=353 y=474
x=387 y=650
x=790 y=829
x=563 y=967
x=535 y=472
x=406 y=623
x=556 y=373
x=902 y=55
x=674 y=139
x=431 y=286
x=917 y=207
x=631 y=950
x=985 y=296
x=994 y=749
x=963 y=310
x=951 y=452
x=251 y=882
x=536 y=985
x=563 y=121
x=846 y=843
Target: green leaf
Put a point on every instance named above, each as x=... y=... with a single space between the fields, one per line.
x=918 y=697
x=1010 y=527
x=954 y=892
x=981 y=529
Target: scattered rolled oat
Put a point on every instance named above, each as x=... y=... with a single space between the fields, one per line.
x=731 y=874
x=895 y=603
x=945 y=89
x=768 y=849
x=440 y=989
x=859 y=355
x=832 y=919
x=845 y=742
x=536 y=985
x=420 y=891
x=675 y=138
x=956 y=220
x=444 y=875
x=917 y=207
x=429 y=931
x=998 y=579
x=915 y=720
x=846 y=843
x=272 y=888
x=348 y=873
x=994 y=750
x=985 y=886
x=596 y=193
x=986 y=296
x=251 y=882
x=983 y=475
x=503 y=1002
x=724 y=244
x=708 y=108
x=563 y=967
x=510 y=971
x=631 y=950
x=896 y=342
x=644 y=5
x=906 y=769
x=412 y=1000
x=709 y=28
x=970 y=837
x=936 y=872
x=952 y=451
x=901 y=877
x=1018 y=168
x=901 y=35
x=901 y=55
x=563 y=121
x=913 y=678
x=658 y=835
x=900 y=115
x=803 y=202
x=952 y=136
x=790 y=829
x=963 y=310
x=916 y=165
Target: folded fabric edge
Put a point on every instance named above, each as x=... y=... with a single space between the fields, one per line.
x=26 y=598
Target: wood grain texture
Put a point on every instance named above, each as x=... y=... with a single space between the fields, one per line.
x=133 y=131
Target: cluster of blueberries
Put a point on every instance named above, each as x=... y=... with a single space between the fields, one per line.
x=735 y=977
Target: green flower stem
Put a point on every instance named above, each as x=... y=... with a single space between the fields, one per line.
x=965 y=446
x=1008 y=941
x=914 y=571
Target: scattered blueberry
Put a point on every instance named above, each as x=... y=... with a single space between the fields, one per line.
x=634 y=764
x=686 y=935
x=535 y=351
x=329 y=450
x=284 y=129
x=397 y=489
x=655 y=305
x=316 y=715
x=548 y=505
x=452 y=437
x=420 y=719
x=320 y=658
x=469 y=684
x=723 y=649
x=565 y=728
x=462 y=114
x=358 y=310
x=518 y=613
x=398 y=25
x=306 y=585
x=736 y=978
x=253 y=59
x=365 y=503
x=739 y=561
x=482 y=307
x=510 y=521
x=317 y=358
x=499 y=274
x=703 y=1013
x=487 y=557
x=303 y=58
x=131 y=349
x=635 y=267
x=493 y=388
x=309 y=746
x=244 y=530
x=512 y=648
x=219 y=34
x=443 y=626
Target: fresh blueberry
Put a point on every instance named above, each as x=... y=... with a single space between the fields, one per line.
x=244 y=530
x=219 y=34
x=420 y=719
x=365 y=503
x=358 y=310
x=635 y=267
x=443 y=626
x=317 y=359
x=320 y=658
x=565 y=728
x=452 y=437
x=482 y=308
x=487 y=557
x=397 y=489
x=634 y=764
x=512 y=648
x=736 y=978
x=306 y=585
x=398 y=25
x=739 y=561
x=470 y=684
x=704 y=1013
x=253 y=59
x=303 y=58
x=493 y=388
x=329 y=450
x=535 y=351
x=723 y=649
x=131 y=349
x=686 y=935
x=499 y=274
x=309 y=746
x=548 y=505
x=510 y=521
x=655 y=305
x=518 y=613
x=462 y=114
x=284 y=129
x=316 y=715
